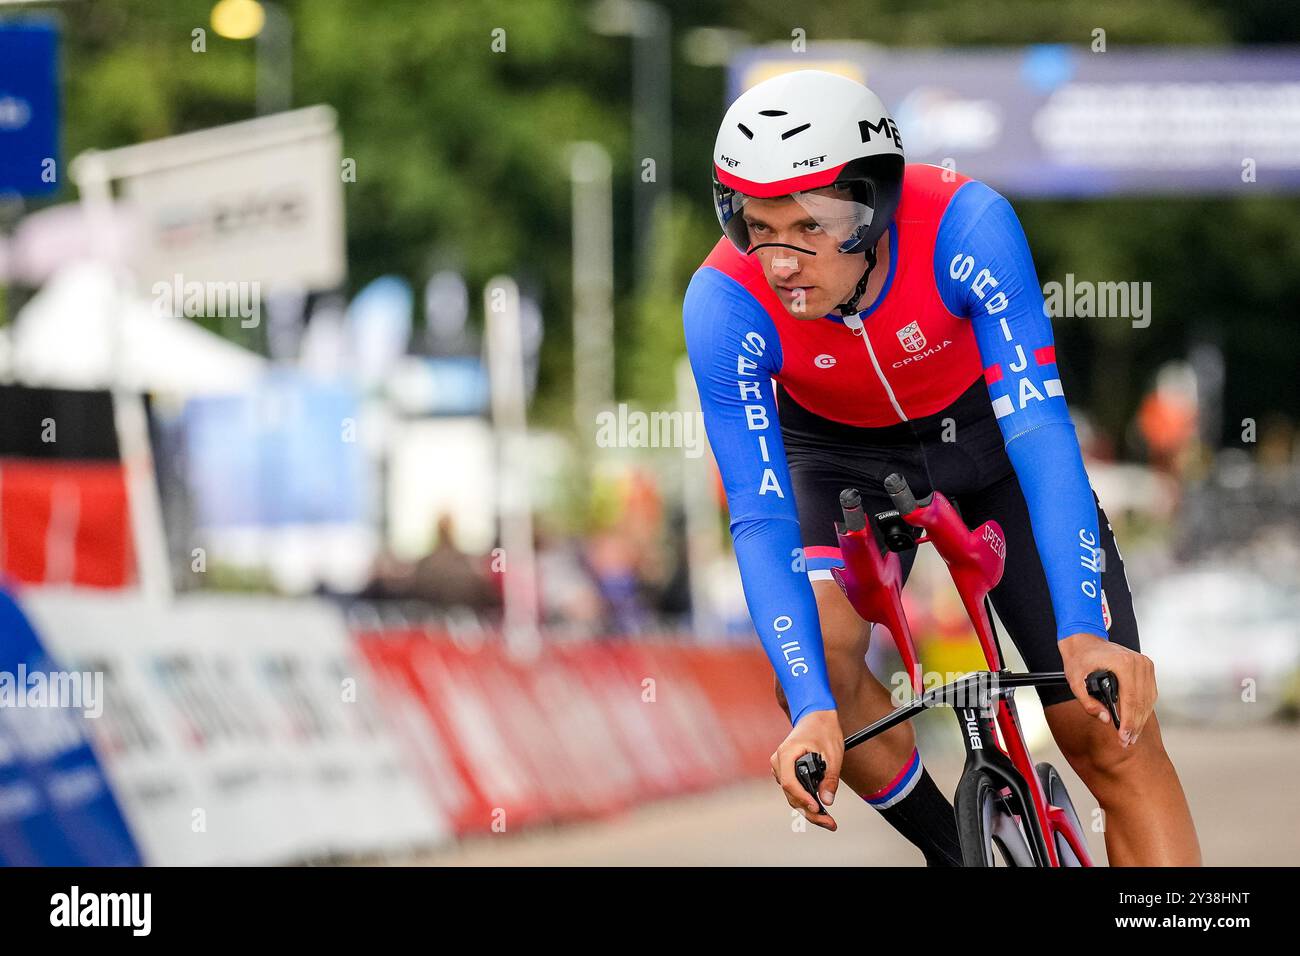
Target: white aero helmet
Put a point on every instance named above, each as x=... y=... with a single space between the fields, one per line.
x=808 y=130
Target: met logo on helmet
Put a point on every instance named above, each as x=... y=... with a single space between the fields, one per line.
x=731 y=163
x=885 y=128
x=810 y=161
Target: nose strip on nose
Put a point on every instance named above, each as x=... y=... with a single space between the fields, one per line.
x=785 y=262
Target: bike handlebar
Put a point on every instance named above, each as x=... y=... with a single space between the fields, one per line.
x=851 y=506
x=901 y=495
x=811 y=767
x=811 y=770
x=1104 y=686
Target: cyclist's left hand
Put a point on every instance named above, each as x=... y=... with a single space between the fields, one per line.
x=1084 y=653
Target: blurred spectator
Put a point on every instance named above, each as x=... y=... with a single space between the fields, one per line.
x=1167 y=418
x=1277 y=445
x=674 y=597
x=614 y=561
x=390 y=578
x=1094 y=442
x=448 y=577
x=570 y=596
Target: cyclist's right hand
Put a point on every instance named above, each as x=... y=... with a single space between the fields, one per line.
x=818 y=732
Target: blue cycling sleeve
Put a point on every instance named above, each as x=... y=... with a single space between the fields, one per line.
x=734 y=352
x=984 y=271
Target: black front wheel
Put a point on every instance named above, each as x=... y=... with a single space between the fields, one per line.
x=989 y=823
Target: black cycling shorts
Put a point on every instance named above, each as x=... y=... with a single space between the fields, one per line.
x=960 y=452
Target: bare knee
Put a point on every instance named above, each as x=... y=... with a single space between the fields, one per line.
x=1098 y=766
x=848 y=675
x=1094 y=751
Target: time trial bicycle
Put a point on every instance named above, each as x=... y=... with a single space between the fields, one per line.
x=1009 y=809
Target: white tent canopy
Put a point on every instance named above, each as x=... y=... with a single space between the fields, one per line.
x=85 y=329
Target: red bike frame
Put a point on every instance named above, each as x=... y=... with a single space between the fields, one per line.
x=873 y=583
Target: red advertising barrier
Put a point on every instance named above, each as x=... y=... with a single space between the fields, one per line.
x=621 y=693
x=741 y=689
x=486 y=769
x=422 y=731
x=584 y=730
x=701 y=755
x=65 y=522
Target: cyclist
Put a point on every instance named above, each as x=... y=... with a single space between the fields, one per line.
x=862 y=316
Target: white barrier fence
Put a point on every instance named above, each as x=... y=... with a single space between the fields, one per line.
x=239 y=729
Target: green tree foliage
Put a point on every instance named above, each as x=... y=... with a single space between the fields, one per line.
x=461 y=150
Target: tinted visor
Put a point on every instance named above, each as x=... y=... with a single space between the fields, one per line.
x=843 y=211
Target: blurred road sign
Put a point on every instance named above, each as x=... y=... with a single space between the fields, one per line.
x=29 y=108
x=1057 y=120
x=256 y=202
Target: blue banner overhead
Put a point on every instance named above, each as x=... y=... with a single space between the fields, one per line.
x=29 y=109
x=1058 y=120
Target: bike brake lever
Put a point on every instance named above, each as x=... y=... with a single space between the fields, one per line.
x=1104 y=686
x=811 y=769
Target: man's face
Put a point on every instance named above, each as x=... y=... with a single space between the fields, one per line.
x=809 y=286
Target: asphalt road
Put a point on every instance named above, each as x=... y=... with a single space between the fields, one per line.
x=1242 y=784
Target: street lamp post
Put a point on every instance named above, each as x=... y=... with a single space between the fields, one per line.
x=275 y=61
x=593 y=286
x=273 y=29
x=649 y=26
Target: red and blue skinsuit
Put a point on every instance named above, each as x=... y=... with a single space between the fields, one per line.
x=961 y=300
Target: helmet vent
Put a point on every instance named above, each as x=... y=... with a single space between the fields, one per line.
x=745 y=129
x=796 y=131
x=772 y=113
